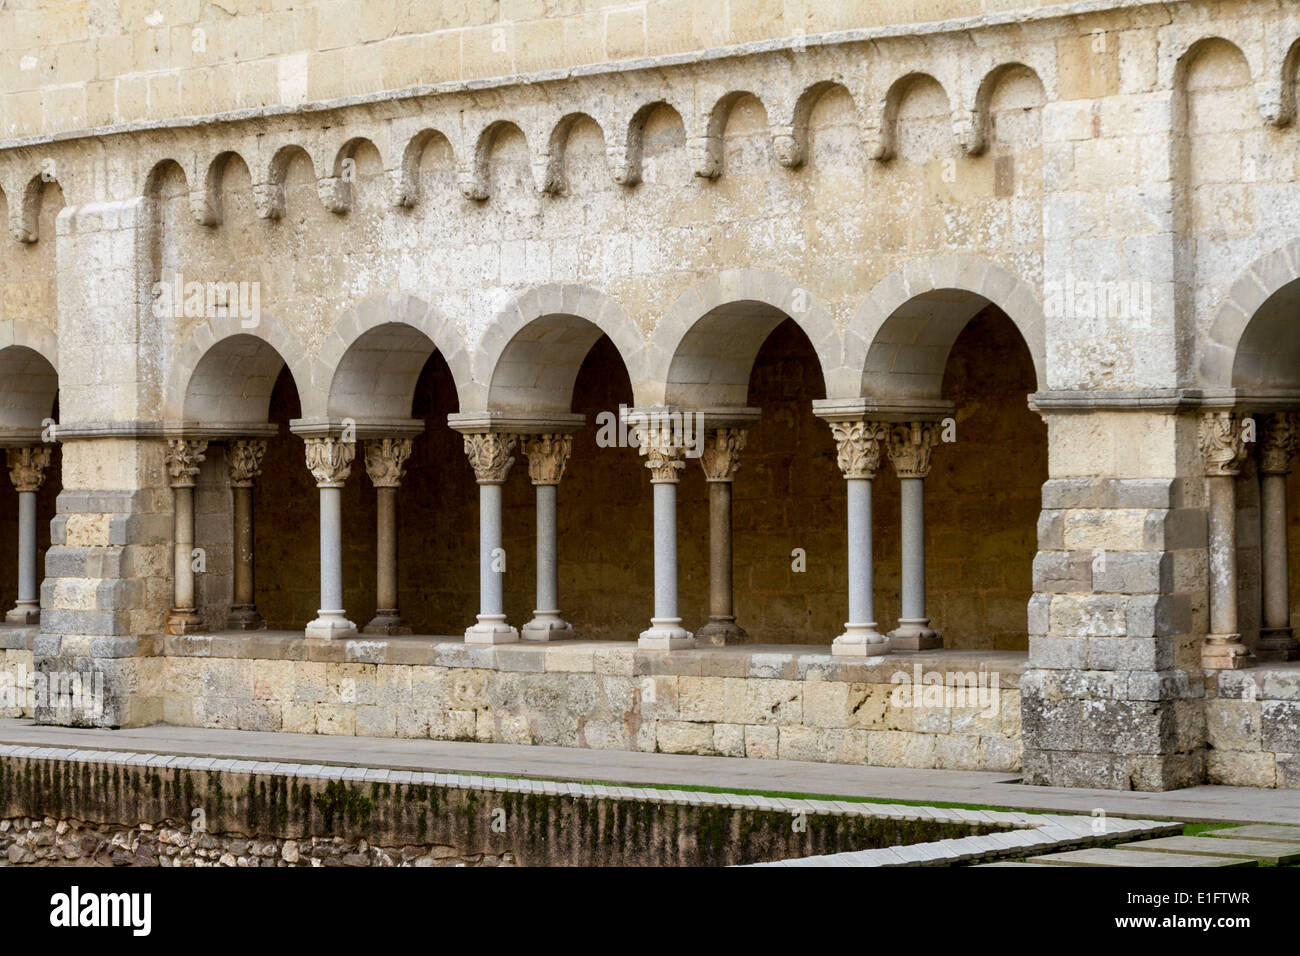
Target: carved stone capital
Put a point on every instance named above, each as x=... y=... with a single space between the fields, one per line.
x=27 y=466
x=547 y=457
x=721 y=455
x=1279 y=436
x=1222 y=445
x=183 y=458
x=330 y=460
x=665 y=453
x=244 y=461
x=489 y=454
x=386 y=461
x=910 y=446
x=858 y=444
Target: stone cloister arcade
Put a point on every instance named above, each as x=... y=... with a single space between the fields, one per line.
x=697 y=404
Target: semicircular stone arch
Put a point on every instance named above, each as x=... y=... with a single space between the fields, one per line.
x=221 y=360
x=900 y=337
x=1254 y=338
x=532 y=349
x=390 y=334
x=683 y=362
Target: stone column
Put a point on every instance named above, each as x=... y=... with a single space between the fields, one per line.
x=183 y=458
x=547 y=456
x=1279 y=435
x=244 y=465
x=27 y=471
x=330 y=462
x=859 y=458
x=720 y=460
x=1223 y=450
x=489 y=456
x=665 y=454
x=910 y=446
x=385 y=464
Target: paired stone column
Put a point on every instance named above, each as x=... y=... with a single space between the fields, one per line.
x=720 y=460
x=490 y=456
x=183 y=459
x=910 y=446
x=1223 y=450
x=666 y=458
x=859 y=444
x=27 y=471
x=1278 y=438
x=330 y=463
x=244 y=465
x=386 y=466
x=547 y=456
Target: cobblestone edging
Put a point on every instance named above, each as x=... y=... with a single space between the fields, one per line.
x=921 y=835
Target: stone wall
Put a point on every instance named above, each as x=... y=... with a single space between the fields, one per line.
x=101 y=65
x=769 y=703
x=1252 y=730
x=305 y=816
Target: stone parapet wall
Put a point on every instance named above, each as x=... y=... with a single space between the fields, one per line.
x=744 y=702
x=1252 y=727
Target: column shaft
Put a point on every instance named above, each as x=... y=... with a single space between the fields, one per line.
x=27 y=472
x=244 y=462
x=1223 y=449
x=721 y=460
x=663 y=446
x=859 y=444
x=490 y=456
x=385 y=464
x=548 y=454
x=1281 y=435
x=330 y=461
x=183 y=459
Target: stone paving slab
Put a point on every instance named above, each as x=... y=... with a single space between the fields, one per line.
x=1102 y=856
x=1248 y=849
x=1258 y=831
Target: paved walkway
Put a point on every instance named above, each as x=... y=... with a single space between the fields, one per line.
x=1194 y=804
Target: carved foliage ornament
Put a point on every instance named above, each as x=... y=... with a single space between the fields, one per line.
x=1278 y=441
x=183 y=459
x=330 y=461
x=910 y=448
x=490 y=456
x=27 y=466
x=386 y=461
x=1222 y=444
x=244 y=461
x=665 y=454
x=721 y=456
x=547 y=457
x=858 y=445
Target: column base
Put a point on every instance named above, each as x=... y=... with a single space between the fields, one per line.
x=183 y=621
x=1277 y=644
x=331 y=625
x=491 y=629
x=860 y=640
x=244 y=617
x=22 y=614
x=546 y=626
x=665 y=634
x=387 y=621
x=914 y=634
x=1225 y=652
x=720 y=631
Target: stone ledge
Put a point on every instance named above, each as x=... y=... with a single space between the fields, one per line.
x=761 y=661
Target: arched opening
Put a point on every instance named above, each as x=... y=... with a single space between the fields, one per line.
x=241 y=397
x=28 y=403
